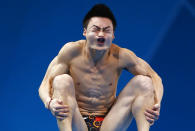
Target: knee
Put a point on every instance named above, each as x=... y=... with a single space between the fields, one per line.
x=62 y=82
x=143 y=83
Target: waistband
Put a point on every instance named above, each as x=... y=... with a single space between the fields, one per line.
x=94 y=117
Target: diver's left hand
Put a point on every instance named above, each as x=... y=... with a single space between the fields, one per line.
x=152 y=114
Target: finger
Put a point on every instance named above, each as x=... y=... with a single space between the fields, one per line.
x=61 y=107
x=63 y=115
x=151 y=111
x=60 y=118
x=149 y=115
x=156 y=107
x=57 y=112
x=150 y=120
x=154 y=117
x=154 y=113
x=63 y=110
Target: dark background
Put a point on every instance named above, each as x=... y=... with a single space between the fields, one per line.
x=162 y=32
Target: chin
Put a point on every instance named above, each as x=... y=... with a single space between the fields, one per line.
x=100 y=48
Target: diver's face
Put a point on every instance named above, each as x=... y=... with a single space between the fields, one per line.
x=99 y=33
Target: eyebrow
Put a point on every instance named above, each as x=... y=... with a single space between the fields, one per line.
x=100 y=28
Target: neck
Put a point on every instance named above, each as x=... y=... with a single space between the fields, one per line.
x=95 y=55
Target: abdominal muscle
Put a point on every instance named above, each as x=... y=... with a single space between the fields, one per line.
x=95 y=101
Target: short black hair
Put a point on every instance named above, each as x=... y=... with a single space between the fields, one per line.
x=100 y=10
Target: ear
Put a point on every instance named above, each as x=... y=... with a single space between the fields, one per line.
x=84 y=32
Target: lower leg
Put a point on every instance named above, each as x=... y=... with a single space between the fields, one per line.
x=63 y=90
x=139 y=106
x=144 y=100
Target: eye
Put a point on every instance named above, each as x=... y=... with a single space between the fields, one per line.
x=107 y=31
x=94 y=29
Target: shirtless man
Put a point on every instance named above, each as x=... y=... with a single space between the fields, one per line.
x=79 y=87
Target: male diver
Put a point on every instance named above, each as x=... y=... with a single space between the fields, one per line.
x=79 y=87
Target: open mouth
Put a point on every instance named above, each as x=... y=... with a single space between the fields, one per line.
x=101 y=40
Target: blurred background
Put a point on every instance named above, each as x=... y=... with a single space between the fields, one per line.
x=162 y=32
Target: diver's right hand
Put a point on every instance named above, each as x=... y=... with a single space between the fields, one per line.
x=58 y=109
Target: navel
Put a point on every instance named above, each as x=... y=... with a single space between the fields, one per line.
x=78 y=83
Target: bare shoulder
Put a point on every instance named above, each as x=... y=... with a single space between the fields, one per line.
x=126 y=53
x=127 y=57
x=114 y=50
x=70 y=50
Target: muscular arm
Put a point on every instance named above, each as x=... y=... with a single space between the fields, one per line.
x=138 y=66
x=55 y=68
x=58 y=66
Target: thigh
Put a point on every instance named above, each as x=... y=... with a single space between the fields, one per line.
x=78 y=123
x=120 y=115
x=117 y=119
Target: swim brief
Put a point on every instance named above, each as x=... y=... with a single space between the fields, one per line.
x=93 y=122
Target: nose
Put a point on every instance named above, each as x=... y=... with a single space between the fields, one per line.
x=100 y=34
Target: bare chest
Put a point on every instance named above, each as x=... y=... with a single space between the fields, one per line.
x=101 y=78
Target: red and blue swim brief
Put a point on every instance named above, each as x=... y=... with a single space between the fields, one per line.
x=93 y=122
